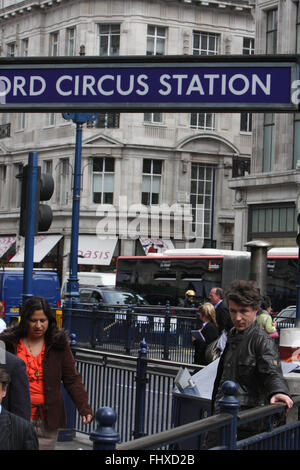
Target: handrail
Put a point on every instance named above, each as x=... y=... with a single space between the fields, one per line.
x=161 y=362
x=172 y=435
x=266 y=410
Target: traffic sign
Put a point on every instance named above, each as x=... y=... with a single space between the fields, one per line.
x=139 y=84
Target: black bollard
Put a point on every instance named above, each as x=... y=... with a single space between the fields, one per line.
x=105 y=437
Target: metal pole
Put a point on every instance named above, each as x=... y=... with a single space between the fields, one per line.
x=72 y=286
x=72 y=294
x=297 y=322
x=212 y=216
x=30 y=224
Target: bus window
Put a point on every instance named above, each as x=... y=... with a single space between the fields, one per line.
x=282 y=282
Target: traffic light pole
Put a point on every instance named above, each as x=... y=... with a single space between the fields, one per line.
x=30 y=225
x=72 y=294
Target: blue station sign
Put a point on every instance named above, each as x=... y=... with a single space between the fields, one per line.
x=140 y=84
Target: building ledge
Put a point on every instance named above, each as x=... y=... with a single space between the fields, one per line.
x=257 y=180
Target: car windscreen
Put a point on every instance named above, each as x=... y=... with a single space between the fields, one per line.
x=84 y=295
x=287 y=313
x=121 y=298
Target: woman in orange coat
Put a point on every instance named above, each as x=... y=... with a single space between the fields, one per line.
x=49 y=361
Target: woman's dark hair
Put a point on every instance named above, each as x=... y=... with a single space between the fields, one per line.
x=30 y=306
x=266 y=303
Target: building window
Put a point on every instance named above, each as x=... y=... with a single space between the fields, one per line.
x=11 y=49
x=54 y=44
x=248 y=46
x=109 y=39
x=47 y=167
x=64 y=181
x=108 y=120
x=272 y=31
x=201 y=199
x=156 y=40
x=205 y=43
x=71 y=41
x=21 y=120
x=51 y=118
x=274 y=220
x=298 y=29
x=3 y=188
x=296 y=143
x=151 y=181
x=24 y=47
x=17 y=188
x=268 y=148
x=204 y=121
x=103 y=180
x=246 y=118
x=246 y=122
x=153 y=118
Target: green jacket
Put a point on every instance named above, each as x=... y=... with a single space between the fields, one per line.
x=264 y=319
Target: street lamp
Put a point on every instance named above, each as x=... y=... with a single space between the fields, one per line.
x=72 y=294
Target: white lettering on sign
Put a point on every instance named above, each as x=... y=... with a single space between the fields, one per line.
x=238 y=84
x=94 y=254
x=128 y=85
x=36 y=85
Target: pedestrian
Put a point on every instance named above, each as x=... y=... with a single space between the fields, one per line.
x=250 y=359
x=222 y=314
x=49 y=361
x=189 y=300
x=16 y=433
x=265 y=320
x=17 y=397
x=206 y=335
x=2 y=322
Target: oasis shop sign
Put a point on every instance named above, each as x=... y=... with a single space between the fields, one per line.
x=131 y=84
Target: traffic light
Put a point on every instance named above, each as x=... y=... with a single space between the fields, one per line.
x=298 y=236
x=24 y=176
x=45 y=188
x=43 y=214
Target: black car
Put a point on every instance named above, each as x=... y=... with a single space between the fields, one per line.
x=110 y=295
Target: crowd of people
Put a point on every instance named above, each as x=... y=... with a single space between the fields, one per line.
x=37 y=360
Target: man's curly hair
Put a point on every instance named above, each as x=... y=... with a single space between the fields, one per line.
x=245 y=293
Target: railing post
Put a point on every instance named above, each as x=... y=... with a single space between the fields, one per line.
x=100 y=322
x=93 y=326
x=140 y=395
x=128 y=328
x=229 y=404
x=67 y=432
x=167 y=332
x=105 y=437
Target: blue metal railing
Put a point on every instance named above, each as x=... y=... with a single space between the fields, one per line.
x=118 y=328
x=282 y=437
x=138 y=388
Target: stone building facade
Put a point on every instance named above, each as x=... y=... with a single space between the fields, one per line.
x=268 y=199
x=153 y=158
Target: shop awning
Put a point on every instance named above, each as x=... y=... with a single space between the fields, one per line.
x=5 y=244
x=156 y=245
x=43 y=244
x=95 y=250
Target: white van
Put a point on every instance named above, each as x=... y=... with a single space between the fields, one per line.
x=91 y=279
